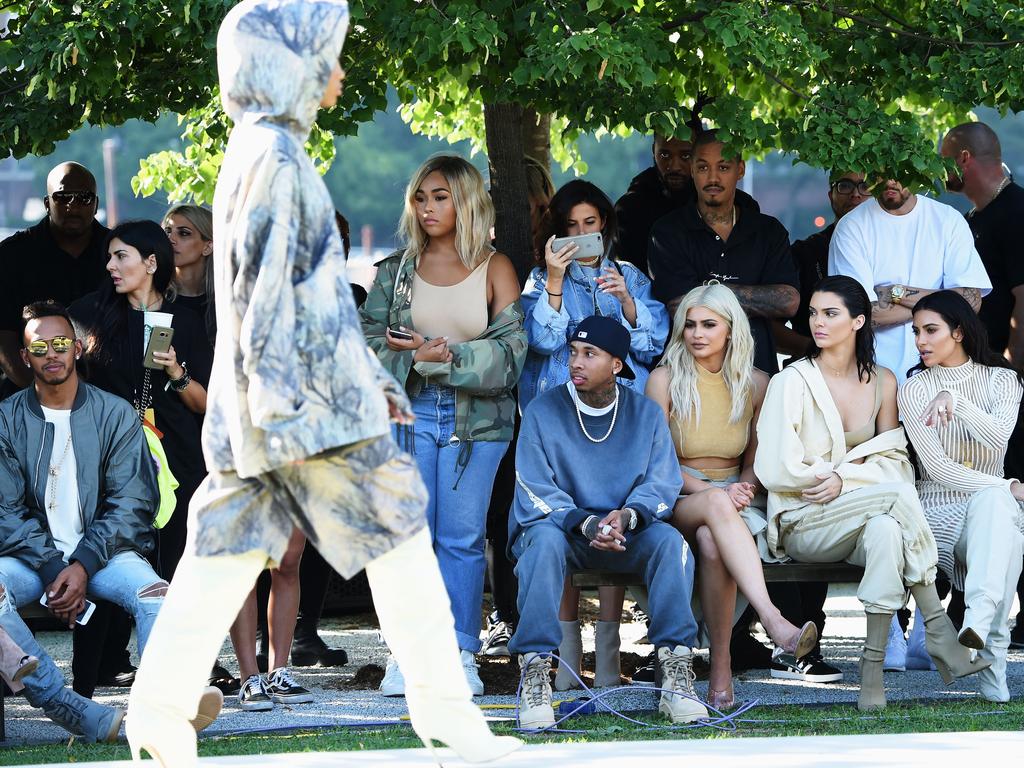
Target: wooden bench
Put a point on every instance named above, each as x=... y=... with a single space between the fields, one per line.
x=834 y=573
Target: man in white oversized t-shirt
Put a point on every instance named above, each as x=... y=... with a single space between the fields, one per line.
x=901 y=247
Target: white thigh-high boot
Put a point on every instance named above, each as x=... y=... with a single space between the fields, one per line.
x=205 y=595
x=416 y=621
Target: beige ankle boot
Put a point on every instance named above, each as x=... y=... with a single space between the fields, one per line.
x=872 y=683
x=606 y=651
x=14 y=662
x=570 y=656
x=952 y=659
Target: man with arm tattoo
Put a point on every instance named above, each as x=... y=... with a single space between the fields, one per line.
x=902 y=247
x=713 y=239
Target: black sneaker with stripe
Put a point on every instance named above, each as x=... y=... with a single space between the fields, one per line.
x=253 y=696
x=283 y=689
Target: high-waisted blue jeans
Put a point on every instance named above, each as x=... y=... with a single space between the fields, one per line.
x=459 y=477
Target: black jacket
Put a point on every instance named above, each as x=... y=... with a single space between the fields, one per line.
x=117 y=489
x=646 y=201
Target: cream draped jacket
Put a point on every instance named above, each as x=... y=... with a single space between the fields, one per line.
x=800 y=435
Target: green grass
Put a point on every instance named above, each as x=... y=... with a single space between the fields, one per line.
x=762 y=721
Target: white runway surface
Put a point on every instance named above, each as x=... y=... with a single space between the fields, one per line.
x=902 y=750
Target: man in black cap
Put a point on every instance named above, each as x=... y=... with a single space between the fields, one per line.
x=596 y=478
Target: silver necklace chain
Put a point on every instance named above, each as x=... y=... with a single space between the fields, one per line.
x=54 y=474
x=1002 y=185
x=579 y=416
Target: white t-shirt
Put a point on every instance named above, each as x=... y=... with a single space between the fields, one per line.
x=931 y=247
x=65 y=519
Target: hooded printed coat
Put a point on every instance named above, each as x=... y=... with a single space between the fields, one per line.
x=292 y=375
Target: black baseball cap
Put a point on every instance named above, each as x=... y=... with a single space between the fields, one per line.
x=609 y=335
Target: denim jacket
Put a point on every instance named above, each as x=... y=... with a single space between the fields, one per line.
x=547 y=331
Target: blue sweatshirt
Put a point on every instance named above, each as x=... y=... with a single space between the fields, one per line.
x=562 y=477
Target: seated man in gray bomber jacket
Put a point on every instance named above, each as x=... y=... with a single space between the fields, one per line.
x=78 y=495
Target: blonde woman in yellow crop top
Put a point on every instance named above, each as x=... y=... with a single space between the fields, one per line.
x=711 y=395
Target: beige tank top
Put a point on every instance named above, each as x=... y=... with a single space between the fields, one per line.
x=855 y=437
x=715 y=436
x=457 y=311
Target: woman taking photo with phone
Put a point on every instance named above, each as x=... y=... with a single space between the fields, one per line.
x=841 y=487
x=117 y=331
x=560 y=293
x=959 y=410
x=444 y=318
x=711 y=395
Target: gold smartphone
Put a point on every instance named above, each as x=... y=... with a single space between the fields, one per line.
x=159 y=341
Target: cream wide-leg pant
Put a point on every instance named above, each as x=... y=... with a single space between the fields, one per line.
x=863 y=527
x=991 y=545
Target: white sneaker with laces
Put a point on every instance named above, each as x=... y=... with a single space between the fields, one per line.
x=472 y=669
x=393 y=683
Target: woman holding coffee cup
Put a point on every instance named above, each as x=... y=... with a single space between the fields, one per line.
x=117 y=322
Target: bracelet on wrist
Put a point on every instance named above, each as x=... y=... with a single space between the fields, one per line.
x=181 y=383
x=549 y=293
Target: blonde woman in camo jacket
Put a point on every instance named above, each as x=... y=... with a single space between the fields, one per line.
x=959 y=411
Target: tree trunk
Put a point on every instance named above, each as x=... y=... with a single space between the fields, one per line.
x=537 y=137
x=504 y=128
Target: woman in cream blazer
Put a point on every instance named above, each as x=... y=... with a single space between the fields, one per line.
x=841 y=487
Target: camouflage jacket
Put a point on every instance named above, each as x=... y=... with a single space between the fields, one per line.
x=483 y=371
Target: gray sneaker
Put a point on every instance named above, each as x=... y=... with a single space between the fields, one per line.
x=253 y=696
x=535 y=711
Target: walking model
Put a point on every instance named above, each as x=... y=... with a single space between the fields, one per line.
x=297 y=432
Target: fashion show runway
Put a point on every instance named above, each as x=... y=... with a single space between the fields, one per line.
x=902 y=750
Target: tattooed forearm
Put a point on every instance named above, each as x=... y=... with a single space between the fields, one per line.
x=885 y=314
x=768 y=300
x=973 y=296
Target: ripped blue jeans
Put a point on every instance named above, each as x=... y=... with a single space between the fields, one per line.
x=127 y=580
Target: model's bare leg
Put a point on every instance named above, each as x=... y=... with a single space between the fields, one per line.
x=283 y=607
x=718 y=602
x=243 y=637
x=713 y=508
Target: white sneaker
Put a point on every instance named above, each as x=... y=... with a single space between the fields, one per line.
x=895 y=649
x=683 y=706
x=393 y=683
x=472 y=669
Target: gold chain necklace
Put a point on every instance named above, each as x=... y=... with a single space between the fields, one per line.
x=54 y=474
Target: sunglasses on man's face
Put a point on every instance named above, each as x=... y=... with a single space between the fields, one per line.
x=60 y=344
x=846 y=187
x=73 y=198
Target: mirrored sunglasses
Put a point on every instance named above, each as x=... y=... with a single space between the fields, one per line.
x=60 y=344
x=73 y=198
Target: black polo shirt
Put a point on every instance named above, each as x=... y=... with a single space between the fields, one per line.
x=685 y=252
x=34 y=268
x=811 y=257
x=998 y=230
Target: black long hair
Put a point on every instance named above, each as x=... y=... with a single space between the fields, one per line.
x=112 y=308
x=956 y=312
x=556 y=217
x=857 y=302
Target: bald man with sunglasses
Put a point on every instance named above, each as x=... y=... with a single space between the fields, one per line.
x=59 y=258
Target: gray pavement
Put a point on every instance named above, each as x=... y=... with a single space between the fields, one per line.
x=338 y=703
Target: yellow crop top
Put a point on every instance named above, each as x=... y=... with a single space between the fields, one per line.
x=715 y=436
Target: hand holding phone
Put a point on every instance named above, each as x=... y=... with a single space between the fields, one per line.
x=587 y=246
x=83 y=616
x=403 y=339
x=159 y=341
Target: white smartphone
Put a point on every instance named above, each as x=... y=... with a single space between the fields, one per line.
x=589 y=246
x=83 y=617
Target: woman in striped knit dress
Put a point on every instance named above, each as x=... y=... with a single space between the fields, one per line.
x=959 y=411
